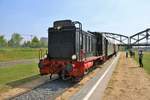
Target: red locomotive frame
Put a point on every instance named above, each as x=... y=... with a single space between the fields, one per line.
x=78 y=68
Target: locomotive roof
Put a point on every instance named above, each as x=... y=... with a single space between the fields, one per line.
x=87 y=33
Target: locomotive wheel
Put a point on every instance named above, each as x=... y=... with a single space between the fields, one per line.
x=73 y=79
x=86 y=71
x=78 y=78
x=50 y=77
x=62 y=75
x=59 y=74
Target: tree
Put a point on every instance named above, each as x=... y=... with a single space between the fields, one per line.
x=35 y=42
x=26 y=44
x=3 y=42
x=44 y=41
x=15 y=40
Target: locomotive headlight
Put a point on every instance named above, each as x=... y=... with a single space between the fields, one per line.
x=74 y=57
x=59 y=27
x=45 y=56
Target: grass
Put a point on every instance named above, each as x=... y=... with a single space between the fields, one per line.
x=17 y=72
x=146 y=60
x=11 y=76
x=9 y=54
x=16 y=75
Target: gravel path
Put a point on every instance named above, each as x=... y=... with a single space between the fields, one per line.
x=15 y=62
x=47 y=91
x=129 y=82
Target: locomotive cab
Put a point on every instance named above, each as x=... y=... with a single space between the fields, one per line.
x=64 y=49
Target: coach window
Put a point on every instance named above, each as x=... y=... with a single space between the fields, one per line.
x=84 y=42
x=92 y=44
x=89 y=44
x=81 y=41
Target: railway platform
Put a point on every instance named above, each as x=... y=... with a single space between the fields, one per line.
x=128 y=82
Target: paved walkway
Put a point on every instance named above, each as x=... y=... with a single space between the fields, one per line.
x=129 y=82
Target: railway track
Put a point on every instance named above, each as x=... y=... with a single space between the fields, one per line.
x=47 y=91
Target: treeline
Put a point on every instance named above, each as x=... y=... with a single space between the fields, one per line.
x=17 y=41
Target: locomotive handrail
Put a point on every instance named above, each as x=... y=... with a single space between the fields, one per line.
x=41 y=54
x=80 y=25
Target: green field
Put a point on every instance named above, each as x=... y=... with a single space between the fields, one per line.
x=16 y=75
x=146 y=60
x=9 y=54
x=13 y=75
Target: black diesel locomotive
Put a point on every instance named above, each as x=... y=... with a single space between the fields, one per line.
x=72 y=51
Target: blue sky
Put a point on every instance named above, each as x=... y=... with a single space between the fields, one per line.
x=35 y=16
